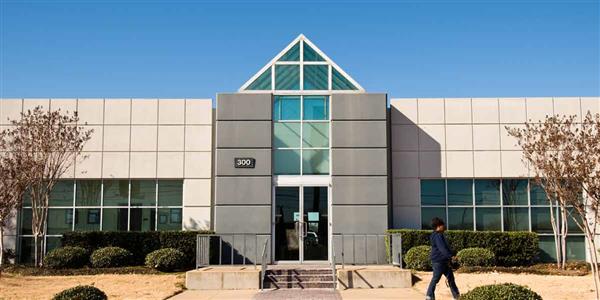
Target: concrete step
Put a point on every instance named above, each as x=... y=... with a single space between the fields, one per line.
x=302 y=278
x=299 y=278
x=299 y=271
x=300 y=285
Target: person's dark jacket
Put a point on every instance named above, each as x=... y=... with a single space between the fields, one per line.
x=440 y=251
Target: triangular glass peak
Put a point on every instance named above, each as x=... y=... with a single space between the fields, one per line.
x=301 y=66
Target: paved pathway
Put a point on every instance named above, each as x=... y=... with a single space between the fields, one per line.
x=309 y=294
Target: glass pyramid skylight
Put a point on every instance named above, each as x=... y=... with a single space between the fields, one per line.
x=301 y=66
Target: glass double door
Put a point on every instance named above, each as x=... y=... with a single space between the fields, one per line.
x=301 y=230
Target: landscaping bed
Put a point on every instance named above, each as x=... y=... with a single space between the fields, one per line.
x=26 y=270
x=572 y=269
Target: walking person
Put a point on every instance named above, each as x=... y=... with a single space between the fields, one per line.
x=441 y=257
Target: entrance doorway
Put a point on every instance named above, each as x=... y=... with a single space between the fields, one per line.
x=301 y=221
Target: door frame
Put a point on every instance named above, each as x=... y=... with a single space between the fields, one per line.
x=300 y=182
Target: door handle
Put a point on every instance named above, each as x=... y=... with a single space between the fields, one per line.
x=305 y=229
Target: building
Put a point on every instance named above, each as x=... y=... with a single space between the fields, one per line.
x=301 y=154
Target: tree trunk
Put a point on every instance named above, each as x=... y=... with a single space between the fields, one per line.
x=1 y=247
x=556 y=231
x=564 y=233
x=594 y=261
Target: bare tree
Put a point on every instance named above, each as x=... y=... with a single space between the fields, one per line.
x=565 y=158
x=49 y=141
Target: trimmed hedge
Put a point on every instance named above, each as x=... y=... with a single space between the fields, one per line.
x=66 y=257
x=475 y=257
x=418 y=258
x=111 y=257
x=515 y=248
x=81 y=292
x=166 y=260
x=505 y=291
x=138 y=243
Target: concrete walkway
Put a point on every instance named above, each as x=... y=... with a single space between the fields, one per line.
x=309 y=294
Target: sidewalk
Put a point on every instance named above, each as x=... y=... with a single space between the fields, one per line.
x=309 y=294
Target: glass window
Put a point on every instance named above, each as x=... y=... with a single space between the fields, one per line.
x=142 y=219
x=575 y=248
x=59 y=220
x=547 y=248
x=339 y=82
x=516 y=219
x=26 y=215
x=27 y=197
x=26 y=252
x=572 y=225
x=88 y=192
x=286 y=108
x=460 y=192
x=169 y=219
x=263 y=82
x=87 y=219
x=143 y=193
x=116 y=192
x=315 y=135
x=170 y=192
x=514 y=191
x=62 y=194
x=488 y=219
x=460 y=218
x=286 y=162
x=315 y=161
x=537 y=194
x=316 y=108
x=293 y=54
x=114 y=219
x=541 y=220
x=316 y=77
x=433 y=192
x=52 y=242
x=428 y=213
x=286 y=135
x=287 y=77
x=487 y=192
x=310 y=54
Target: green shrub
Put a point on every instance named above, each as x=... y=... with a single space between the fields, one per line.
x=418 y=258
x=138 y=243
x=166 y=260
x=66 y=257
x=505 y=291
x=111 y=257
x=475 y=257
x=81 y=292
x=515 y=248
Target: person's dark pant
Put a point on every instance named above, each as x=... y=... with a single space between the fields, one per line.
x=440 y=269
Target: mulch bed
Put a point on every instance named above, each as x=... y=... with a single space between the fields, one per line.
x=572 y=269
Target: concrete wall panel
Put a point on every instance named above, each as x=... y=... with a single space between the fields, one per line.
x=243 y=191
x=459 y=137
x=91 y=111
x=197 y=192
x=115 y=165
x=512 y=110
x=360 y=219
x=198 y=138
x=405 y=164
x=407 y=191
x=225 y=162
x=405 y=137
x=485 y=110
x=196 y=218
x=244 y=107
x=359 y=162
x=486 y=137
x=144 y=111
x=10 y=109
x=88 y=165
x=459 y=163
x=198 y=111
x=169 y=165
x=432 y=164
x=359 y=107
x=243 y=219
x=539 y=108
x=568 y=106
x=359 y=190
x=117 y=111
x=244 y=134
x=171 y=111
x=431 y=111
x=170 y=138
x=458 y=111
x=143 y=165
x=591 y=104
x=358 y=134
x=404 y=111
x=116 y=138
x=198 y=165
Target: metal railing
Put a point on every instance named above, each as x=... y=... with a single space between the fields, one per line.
x=263 y=266
x=230 y=249
x=333 y=270
x=365 y=249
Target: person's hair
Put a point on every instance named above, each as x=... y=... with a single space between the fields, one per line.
x=436 y=222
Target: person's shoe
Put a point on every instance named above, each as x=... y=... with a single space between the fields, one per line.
x=429 y=298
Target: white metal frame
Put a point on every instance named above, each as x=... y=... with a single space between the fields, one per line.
x=327 y=61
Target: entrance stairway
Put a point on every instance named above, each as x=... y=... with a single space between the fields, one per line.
x=299 y=278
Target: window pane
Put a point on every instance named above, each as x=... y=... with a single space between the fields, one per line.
x=88 y=193
x=460 y=192
x=26 y=251
x=169 y=219
x=60 y=220
x=293 y=54
x=286 y=135
x=116 y=192
x=170 y=192
x=516 y=219
x=114 y=219
x=540 y=220
x=572 y=225
x=433 y=192
x=52 y=242
x=460 y=218
x=575 y=248
x=286 y=108
x=262 y=82
x=286 y=162
x=315 y=162
x=287 y=77
x=26 y=215
x=143 y=193
x=537 y=194
x=316 y=77
x=315 y=135
x=428 y=213
x=488 y=219
x=62 y=194
x=547 y=248
x=87 y=219
x=339 y=82
x=514 y=191
x=27 y=197
x=310 y=54
x=487 y=192
x=316 y=108
x=142 y=219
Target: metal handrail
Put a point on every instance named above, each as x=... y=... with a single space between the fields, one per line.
x=333 y=267
x=203 y=248
x=263 y=266
x=392 y=242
